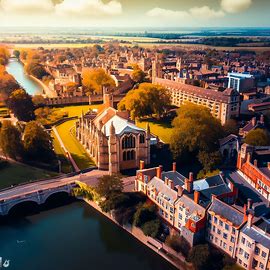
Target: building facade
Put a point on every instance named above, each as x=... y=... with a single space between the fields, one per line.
x=112 y=140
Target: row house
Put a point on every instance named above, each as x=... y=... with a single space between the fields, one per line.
x=254 y=166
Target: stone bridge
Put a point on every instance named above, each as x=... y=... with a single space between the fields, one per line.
x=37 y=192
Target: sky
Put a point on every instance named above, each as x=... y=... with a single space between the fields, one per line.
x=135 y=13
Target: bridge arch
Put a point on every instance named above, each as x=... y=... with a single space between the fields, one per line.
x=55 y=195
x=23 y=207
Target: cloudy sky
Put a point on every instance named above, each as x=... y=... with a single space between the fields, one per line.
x=135 y=13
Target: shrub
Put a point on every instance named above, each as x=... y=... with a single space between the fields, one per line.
x=151 y=228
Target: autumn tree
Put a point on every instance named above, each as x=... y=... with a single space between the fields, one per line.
x=17 y=54
x=147 y=100
x=35 y=69
x=21 y=104
x=138 y=75
x=195 y=130
x=258 y=137
x=4 y=55
x=37 y=143
x=95 y=79
x=10 y=141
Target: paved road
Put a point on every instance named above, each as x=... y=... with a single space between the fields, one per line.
x=90 y=178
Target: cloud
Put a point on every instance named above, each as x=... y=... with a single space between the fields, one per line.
x=84 y=8
x=27 y=6
x=203 y=13
x=206 y=12
x=235 y=6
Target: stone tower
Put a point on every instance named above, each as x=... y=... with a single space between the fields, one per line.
x=113 y=157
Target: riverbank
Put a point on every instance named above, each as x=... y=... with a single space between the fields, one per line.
x=175 y=259
x=46 y=90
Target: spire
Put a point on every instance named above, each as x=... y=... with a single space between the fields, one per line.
x=112 y=129
x=147 y=128
x=82 y=114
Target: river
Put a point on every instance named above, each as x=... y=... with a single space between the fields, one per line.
x=73 y=237
x=16 y=68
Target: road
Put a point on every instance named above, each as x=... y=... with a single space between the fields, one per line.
x=89 y=178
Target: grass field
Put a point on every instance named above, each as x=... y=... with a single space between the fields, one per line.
x=15 y=174
x=77 y=110
x=161 y=129
x=67 y=134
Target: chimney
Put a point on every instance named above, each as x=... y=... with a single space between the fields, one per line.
x=196 y=196
x=255 y=162
x=262 y=119
x=141 y=165
x=254 y=121
x=250 y=219
x=268 y=165
x=171 y=184
x=249 y=204
x=179 y=191
x=188 y=185
x=191 y=176
x=248 y=157
x=174 y=166
x=159 y=171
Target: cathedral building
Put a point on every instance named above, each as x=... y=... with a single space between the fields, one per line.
x=112 y=140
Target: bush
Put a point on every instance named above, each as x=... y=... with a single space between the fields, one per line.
x=178 y=243
x=151 y=228
x=199 y=256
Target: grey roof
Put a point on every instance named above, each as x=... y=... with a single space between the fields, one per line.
x=176 y=177
x=224 y=210
x=257 y=235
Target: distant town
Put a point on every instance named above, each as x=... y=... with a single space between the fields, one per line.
x=170 y=143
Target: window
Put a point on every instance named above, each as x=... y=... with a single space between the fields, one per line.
x=263 y=254
x=129 y=155
x=128 y=142
x=215 y=220
x=246 y=255
x=232 y=239
x=261 y=265
x=257 y=251
x=220 y=223
x=218 y=231
x=142 y=138
x=233 y=230
x=225 y=235
x=243 y=240
x=226 y=227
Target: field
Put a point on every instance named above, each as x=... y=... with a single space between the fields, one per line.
x=16 y=173
x=67 y=134
x=161 y=129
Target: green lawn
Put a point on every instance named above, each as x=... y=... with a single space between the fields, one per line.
x=67 y=134
x=159 y=128
x=15 y=173
x=77 y=110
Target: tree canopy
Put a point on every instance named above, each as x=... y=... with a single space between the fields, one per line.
x=194 y=130
x=109 y=184
x=37 y=142
x=35 y=69
x=95 y=79
x=21 y=104
x=148 y=100
x=138 y=75
x=258 y=137
x=10 y=140
x=4 y=55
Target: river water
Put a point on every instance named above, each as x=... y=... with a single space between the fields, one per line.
x=16 y=69
x=73 y=237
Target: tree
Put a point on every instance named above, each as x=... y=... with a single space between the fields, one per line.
x=230 y=127
x=17 y=54
x=109 y=184
x=194 y=130
x=21 y=104
x=35 y=69
x=151 y=228
x=95 y=79
x=178 y=243
x=145 y=212
x=138 y=75
x=210 y=161
x=199 y=256
x=38 y=143
x=38 y=100
x=4 y=55
x=147 y=100
x=10 y=141
x=258 y=137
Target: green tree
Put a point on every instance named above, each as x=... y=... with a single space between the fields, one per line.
x=210 y=161
x=10 y=141
x=230 y=127
x=151 y=228
x=147 y=100
x=17 y=54
x=109 y=184
x=258 y=137
x=199 y=256
x=95 y=79
x=145 y=212
x=21 y=104
x=194 y=130
x=38 y=143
